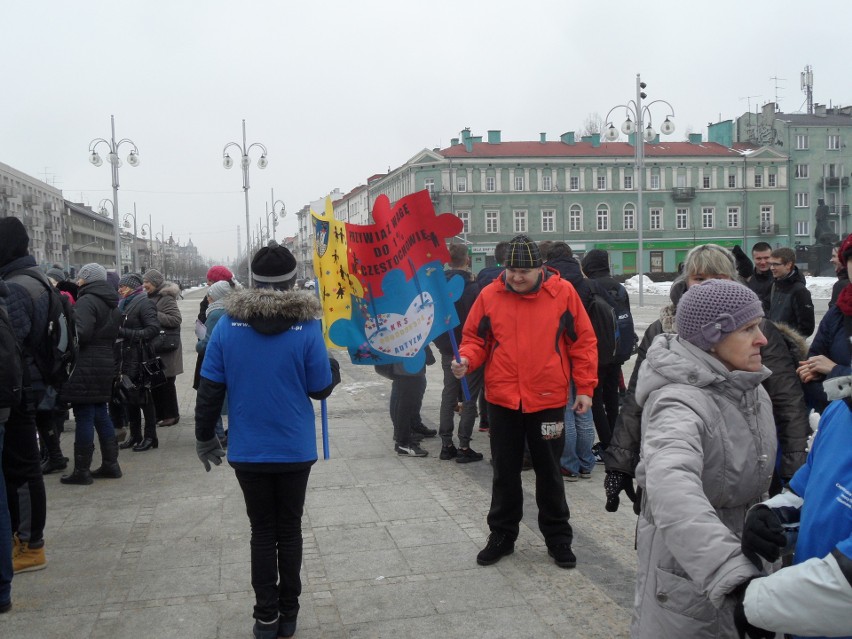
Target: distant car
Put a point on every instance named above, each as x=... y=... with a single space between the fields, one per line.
x=310 y=284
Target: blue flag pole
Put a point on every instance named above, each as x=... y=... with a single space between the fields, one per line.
x=450 y=332
x=326 y=449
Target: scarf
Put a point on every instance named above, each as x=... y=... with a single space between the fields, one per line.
x=844 y=300
x=220 y=303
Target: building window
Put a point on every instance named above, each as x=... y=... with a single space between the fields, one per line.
x=681 y=219
x=464 y=216
x=575 y=218
x=546 y=183
x=490 y=184
x=801 y=141
x=492 y=221
x=766 y=216
x=803 y=227
x=802 y=172
x=833 y=143
x=628 y=182
x=519 y=182
x=574 y=183
x=708 y=217
x=758 y=180
x=802 y=200
x=732 y=181
x=548 y=221
x=601 y=183
x=520 y=221
x=629 y=218
x=705 y=182
x=773 y=180
x=461 y=184
x=602 y=217
x=655 y=181
x=655 y=219
x=733 y=217
x=429 y=184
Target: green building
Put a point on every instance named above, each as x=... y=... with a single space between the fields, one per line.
x=584 y=192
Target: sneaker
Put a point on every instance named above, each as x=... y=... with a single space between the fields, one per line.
x=412 y=450
x=585 y=474
x=423 y=430
x=499 y=545
x=5 y=607
x=448 y=452
x=568 y=475
x=265 y=629
x=483 y=427
x=286 y=625
x=466 y=455
x=562 y=555
x=28 y=559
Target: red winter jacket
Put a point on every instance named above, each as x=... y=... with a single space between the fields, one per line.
x=532 y=344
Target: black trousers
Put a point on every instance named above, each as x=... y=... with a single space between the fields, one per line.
x=509 y=430
x=406 y=399
x=605 y=401
x=22 y=465
x=274 y=504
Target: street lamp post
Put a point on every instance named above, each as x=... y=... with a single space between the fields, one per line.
x=245 y=163
x=115 y=162
x=149 y=240
x=276 y=214
x=159 y=238
x=641 y=133
x=134 y=252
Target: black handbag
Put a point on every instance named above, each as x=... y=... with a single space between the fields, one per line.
x=167 y=341
x=153 y=372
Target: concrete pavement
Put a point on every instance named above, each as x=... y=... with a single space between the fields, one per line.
x=390 y=542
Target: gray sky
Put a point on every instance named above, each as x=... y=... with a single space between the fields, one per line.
x=338 y=90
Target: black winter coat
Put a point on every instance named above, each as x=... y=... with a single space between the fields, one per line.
x=783 y=386
x=139 y=326
x=761 y=284
x=790 y=302
x=97 y=318
x=569 y=269
x=10 y=356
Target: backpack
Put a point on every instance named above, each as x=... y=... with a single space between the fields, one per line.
x=10 y=355
x=609 y=312
x=55 y=353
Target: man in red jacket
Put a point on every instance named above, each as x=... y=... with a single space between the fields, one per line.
x=530 y=331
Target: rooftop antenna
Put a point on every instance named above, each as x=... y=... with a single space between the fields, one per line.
x=778 y=86
x=749 y=98
x=808 y=87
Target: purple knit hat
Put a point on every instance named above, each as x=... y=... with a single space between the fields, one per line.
x=709 y=312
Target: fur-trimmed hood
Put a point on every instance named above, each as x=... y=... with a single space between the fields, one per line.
x=269 y=311
x=167 y=288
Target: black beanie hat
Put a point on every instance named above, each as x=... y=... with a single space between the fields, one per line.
x=595 y=261
x=273 y=264
x=14 y=240
x=523 y=253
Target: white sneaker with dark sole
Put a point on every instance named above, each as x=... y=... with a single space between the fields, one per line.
x=410 y=450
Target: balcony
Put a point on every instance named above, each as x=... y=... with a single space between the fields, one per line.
x=48 y=226
x=833 y=182
x=838 y=209
x=769 y=229
x=683 y=193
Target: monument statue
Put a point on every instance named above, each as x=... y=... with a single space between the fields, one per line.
x=823 y=233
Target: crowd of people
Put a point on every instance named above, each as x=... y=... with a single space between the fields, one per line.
x=710 y=439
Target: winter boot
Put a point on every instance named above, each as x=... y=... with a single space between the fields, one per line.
x=134 y=437
x=54 y=460
x=82 y=462
x=109 y=460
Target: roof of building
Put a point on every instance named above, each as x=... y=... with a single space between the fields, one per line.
x=812 y=119
x=586 y=149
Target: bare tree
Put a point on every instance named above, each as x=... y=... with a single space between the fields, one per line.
x=592 y=124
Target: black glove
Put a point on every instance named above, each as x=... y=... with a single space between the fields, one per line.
x=615 y=482
x=763 y=535
x=738 y=252
x=209 y=451
x=744 y=628
x=335 y=371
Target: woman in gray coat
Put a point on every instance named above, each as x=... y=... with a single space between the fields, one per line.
x=165 y=295
x=708 y=447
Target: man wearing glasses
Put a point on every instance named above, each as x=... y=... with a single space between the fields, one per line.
x=790 y=301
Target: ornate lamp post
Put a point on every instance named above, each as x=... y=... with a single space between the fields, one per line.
x=149 y=241
x=245 y=163
x=135 y=251
x=276 y=212
x=115 y=162
x=641 y=129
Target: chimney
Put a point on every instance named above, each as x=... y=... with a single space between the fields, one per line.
x=542 y=137
x=494 y=137
x=819 y=109
x=567 y=138
x=695 y=138
x=468 y=144
x=454 y=141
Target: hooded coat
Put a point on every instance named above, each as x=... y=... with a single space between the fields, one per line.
x=138 y=327
x=165 y=298
x=790 y=302
x=784 y=348
x=271 y=417
x=98 y=319
x=708 y=446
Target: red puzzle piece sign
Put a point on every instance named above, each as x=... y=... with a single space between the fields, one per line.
x=409 y=231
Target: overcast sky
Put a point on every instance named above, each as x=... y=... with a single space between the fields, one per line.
x=338 y=90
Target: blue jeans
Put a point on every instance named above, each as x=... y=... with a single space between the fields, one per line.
x=5 y=530
x=91 y=417
x=579 y=439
